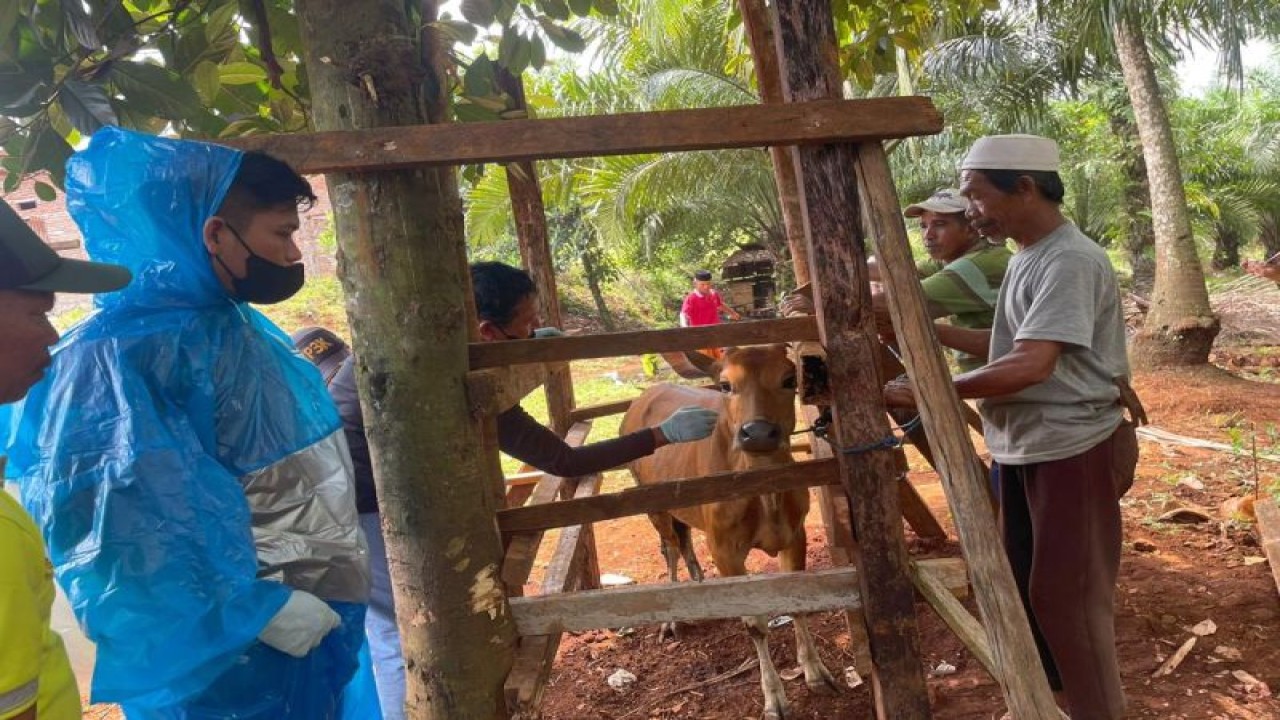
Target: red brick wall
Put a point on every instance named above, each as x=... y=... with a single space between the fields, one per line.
x=52 y=223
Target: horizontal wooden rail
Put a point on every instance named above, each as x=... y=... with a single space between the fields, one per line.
x=669 y=496
x=508 y=141
x=772 y=594
x=583 y=347
x=496 y=390
x=591 y=412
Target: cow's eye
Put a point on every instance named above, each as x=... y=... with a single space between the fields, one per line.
x=726 y=386
x=789 y=383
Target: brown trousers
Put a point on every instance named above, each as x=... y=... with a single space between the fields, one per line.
x=1062 y=534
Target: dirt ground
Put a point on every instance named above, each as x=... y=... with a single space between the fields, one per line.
x=1173 y=577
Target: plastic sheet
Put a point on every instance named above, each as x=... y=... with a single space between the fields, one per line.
x=130 y=452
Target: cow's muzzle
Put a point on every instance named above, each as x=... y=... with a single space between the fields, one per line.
x=759 y=436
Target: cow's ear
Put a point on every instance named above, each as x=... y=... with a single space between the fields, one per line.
x=707 y=366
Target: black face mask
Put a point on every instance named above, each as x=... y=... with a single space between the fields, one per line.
x=264 y=282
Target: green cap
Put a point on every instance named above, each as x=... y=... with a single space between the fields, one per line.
x=26 y=263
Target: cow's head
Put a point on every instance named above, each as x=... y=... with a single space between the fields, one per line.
x=759 y=383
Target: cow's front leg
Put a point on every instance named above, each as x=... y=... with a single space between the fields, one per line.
x=672 y=547
x=732 y=563
x=816 y=675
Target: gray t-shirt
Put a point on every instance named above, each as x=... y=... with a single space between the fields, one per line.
x=1062 y=288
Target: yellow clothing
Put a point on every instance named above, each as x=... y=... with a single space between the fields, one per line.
x=34 y=669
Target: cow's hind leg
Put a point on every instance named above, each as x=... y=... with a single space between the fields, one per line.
x=732 y=562
x=668 y=531
x=816 y=675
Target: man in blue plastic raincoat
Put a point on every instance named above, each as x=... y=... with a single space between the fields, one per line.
x=186 y=466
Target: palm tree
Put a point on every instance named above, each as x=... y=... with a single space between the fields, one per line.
x=1180 y=327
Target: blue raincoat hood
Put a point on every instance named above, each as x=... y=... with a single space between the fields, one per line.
x=142 y=202
x=130 y=452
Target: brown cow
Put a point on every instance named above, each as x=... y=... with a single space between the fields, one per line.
x=757 y=417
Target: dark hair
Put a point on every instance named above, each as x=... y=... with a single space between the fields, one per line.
x=1049 y=183
x=702 y=275
x=499 y=288
x=264 y=182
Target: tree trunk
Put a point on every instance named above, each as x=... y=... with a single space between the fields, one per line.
x=761 y=36
x=1269 y=235
x=1181 y=326
x=1226 y=247
x=1139 y=236
x=535 y=252
x=403 y=266
x=591 y=268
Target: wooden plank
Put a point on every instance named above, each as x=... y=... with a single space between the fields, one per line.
x=668 y=496
x=1269 y=528
x=531 y=477
x=510 y=141
x=498 y=389
x=842 y=297
x=1022 y=676
x=954 y=614
x=522 y=548
x=602 y=410
x=584 y=347
x=771 y=594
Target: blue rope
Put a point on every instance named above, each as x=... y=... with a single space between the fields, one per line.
x=892 y=442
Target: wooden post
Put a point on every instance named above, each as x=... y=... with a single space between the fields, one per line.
x=1025 y=687
x=807 y=52
x=762 y=37
x=403 y=266
x=535 y=253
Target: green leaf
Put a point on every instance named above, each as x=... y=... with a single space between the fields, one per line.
x=45 y=191
x=479 y=78
x=82 y=27
x=208 y=81
x=581 y=8
x=241 y=73
x=563 y=37
x=220 y=23
x=555 y=9
x=469 y=112
x=610 y=7
x=537 y=53
x=49 y=152
x=157 y=91
x=480 y=12
x=86 y=106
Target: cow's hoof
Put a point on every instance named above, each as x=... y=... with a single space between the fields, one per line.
x=668 y=632
x=822 y=682
x=776 y=707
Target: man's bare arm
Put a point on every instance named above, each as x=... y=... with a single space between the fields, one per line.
x=1030 y=362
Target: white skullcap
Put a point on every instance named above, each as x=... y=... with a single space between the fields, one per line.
x=1012 y=152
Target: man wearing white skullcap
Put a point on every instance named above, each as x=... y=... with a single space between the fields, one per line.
x=1053 y=395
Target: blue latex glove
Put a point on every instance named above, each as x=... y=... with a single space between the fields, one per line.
x=545 y=332
x=689 y=423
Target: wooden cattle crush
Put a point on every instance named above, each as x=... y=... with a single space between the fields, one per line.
x=848 y=193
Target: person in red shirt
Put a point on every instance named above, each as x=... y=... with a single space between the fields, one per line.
x=703 y=307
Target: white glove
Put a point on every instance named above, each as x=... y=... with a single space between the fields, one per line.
x=689 y=423
x=300 y=625
x=546 y=332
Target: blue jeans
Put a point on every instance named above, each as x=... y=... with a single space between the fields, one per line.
x=380 y=624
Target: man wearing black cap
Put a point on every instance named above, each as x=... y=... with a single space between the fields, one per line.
x=35 y=677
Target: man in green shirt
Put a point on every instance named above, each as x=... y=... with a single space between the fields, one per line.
x=961 y=279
